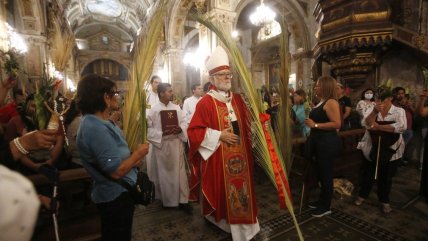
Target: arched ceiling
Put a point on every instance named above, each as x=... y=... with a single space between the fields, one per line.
x=122 y=18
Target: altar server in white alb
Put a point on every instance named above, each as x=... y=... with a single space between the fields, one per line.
x=152 y=92
x=152 y=98
x=168 y=170
x=189 y=104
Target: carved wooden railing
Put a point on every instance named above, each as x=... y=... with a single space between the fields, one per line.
x=410 y=38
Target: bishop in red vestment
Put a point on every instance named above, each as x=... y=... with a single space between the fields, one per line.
x=221 y=156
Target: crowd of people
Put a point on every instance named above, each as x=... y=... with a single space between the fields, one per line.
x=205 y=153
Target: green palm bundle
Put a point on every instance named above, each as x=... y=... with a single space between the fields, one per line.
x=261 y=149
x=145 y=49
x=44 y=90
x=283 y=135
x=62 y=43
x=11 y=65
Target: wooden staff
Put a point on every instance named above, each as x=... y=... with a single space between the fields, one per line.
x=377 y=157
x=301 y=198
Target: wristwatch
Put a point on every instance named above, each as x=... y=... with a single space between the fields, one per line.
x=316 y=125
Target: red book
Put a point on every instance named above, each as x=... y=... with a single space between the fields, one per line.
x=169 y=119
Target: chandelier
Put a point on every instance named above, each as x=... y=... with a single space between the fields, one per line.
x=11 y=40
x=263 y=17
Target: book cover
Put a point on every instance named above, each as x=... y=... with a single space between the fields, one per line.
x=169 y=119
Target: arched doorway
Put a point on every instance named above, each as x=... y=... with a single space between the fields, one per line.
x=110 y=69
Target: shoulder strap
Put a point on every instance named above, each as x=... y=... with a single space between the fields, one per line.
x=121 y=182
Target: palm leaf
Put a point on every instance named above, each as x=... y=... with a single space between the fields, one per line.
x=145 y=49
x=62 y=44
x=284 y=134
x=261 y=150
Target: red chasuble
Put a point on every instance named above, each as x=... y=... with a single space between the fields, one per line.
x=226 y=178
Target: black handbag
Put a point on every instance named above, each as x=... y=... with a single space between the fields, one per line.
x=143 y=192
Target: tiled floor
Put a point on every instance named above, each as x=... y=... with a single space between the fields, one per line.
x=153 y=223
x=157 y=224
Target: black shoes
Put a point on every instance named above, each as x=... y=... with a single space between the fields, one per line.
x=313 y=205
x=186 y=207
x=320 y=212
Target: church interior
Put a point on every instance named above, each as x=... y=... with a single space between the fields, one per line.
x=363 y=44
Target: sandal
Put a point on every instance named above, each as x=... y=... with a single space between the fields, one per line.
x=386 y=208
x=359 y=201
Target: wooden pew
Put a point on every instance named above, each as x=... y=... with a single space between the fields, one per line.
x=354 y=132
x=65 y=175
x=80 y=173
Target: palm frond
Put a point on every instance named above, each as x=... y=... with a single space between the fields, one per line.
x=145 y=49
x=261 y=150
x=62 y=44
x=284 y=135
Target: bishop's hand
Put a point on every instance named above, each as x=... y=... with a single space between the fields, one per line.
x=228 y=136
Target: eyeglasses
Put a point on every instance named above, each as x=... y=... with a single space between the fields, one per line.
x=228 y=75
x=114 y=93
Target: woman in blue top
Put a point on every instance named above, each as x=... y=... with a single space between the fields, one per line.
x=301 y=108
x=102 y=144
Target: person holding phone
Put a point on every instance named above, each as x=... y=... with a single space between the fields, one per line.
x=382 y=146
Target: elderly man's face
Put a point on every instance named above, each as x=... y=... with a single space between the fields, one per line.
x=222 y=80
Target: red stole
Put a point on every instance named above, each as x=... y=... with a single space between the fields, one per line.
x=225 y=179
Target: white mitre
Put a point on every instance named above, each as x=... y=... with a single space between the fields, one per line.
x=218 y=61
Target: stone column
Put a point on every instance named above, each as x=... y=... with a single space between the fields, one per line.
x=307 y=80
x=3 y=36
x=225 y=18
x=176 y=73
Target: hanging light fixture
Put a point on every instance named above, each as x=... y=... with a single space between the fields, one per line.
x=263 y=17
x=14 y=41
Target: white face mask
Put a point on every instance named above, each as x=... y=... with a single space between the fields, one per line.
x=368 y=96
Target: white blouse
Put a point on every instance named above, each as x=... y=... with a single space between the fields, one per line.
x=396 y=114
x=363 y=106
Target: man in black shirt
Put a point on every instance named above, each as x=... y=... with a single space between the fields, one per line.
x=345 y=106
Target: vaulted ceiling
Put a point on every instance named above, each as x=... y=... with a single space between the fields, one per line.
x=122 y=18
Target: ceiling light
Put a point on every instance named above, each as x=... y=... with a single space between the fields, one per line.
x=263 y=16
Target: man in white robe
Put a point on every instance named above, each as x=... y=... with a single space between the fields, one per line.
x=171 y=182
x=189 y=104
x=152 y=92
x=152 y=98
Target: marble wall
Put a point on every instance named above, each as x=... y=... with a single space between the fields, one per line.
x=401 y=68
